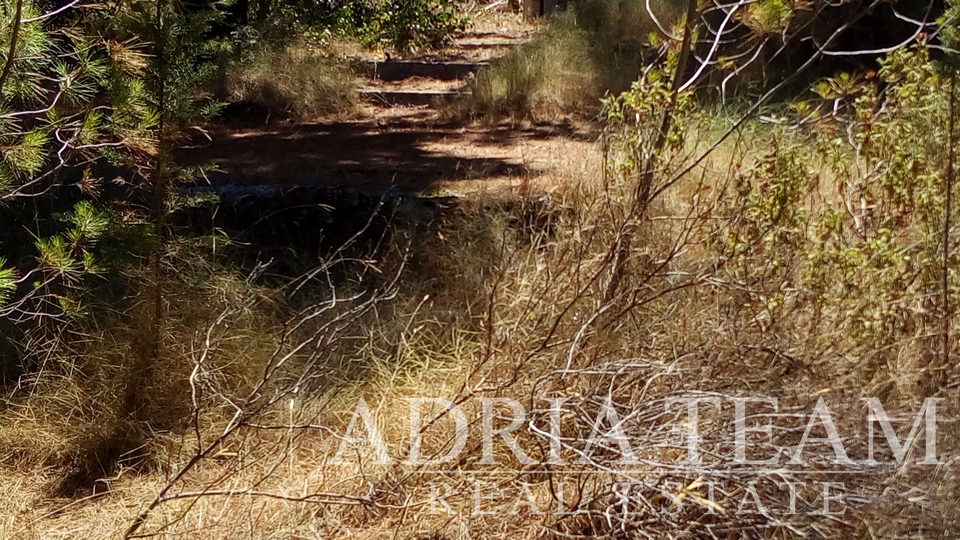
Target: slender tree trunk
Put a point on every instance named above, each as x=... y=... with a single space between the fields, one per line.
x=153 y=350
x=14 y=39
x=948 y=209
x=160 y=192
x=641 y=196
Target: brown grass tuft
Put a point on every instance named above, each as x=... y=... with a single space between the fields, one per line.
x=298 y=82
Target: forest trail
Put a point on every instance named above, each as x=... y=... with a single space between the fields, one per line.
x=404 y=136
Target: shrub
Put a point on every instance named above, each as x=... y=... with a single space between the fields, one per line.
x=403 y=25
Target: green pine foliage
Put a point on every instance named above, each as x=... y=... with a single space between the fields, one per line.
x=176 y=56
x=46 y=99
x=8 y=281
x=82 y=95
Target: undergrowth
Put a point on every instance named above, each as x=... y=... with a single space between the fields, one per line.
x=800 y=263
x=298 y=81
x=595 y=48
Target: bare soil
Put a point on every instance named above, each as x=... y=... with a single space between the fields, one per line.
x=411 y=148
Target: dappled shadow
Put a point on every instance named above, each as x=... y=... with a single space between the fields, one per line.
x=406 y=153
x=505 y=133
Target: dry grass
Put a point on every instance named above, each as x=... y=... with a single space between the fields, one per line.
x=596 y=48
x=299 y=82
x=551 y=76
x=504 y=297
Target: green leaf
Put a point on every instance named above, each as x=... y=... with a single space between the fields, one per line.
x=90 y=128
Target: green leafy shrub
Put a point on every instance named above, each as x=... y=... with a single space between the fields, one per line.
x=877 y=255
x=403 y=25
x=856 y=247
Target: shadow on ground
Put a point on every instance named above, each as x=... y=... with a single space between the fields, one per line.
x=406 y=153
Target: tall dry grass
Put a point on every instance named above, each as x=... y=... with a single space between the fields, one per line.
x=299 y=81
x=507 y=297
x=597 y=47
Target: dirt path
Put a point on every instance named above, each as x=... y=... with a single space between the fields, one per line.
x=397 y=142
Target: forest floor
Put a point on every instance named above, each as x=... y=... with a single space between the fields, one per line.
x=422 y=148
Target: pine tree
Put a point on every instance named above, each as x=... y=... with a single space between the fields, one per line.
x=70 y=100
